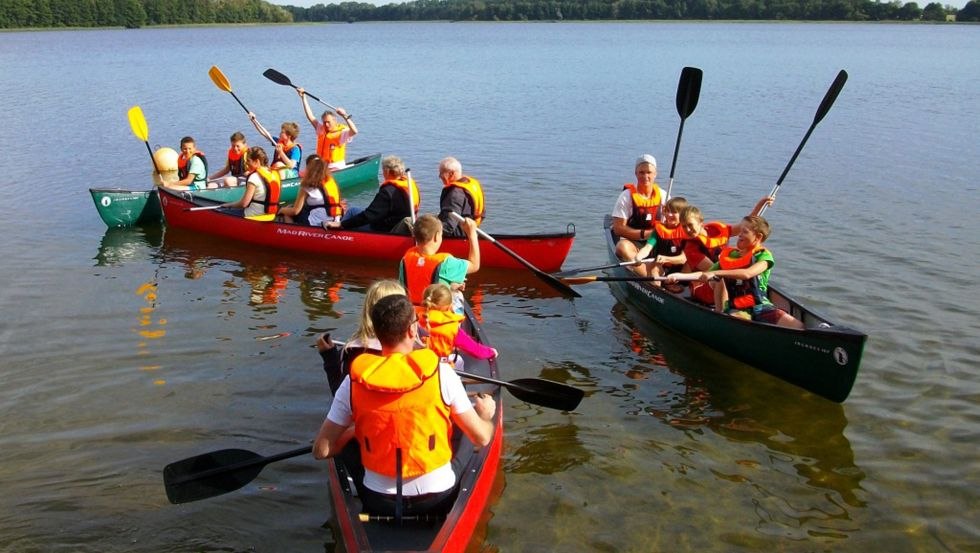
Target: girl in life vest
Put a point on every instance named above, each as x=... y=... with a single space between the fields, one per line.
x=318 y=200
x=665 y=245
x=445 y=336
x=260 y=201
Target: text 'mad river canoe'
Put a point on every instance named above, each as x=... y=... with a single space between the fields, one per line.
x=123 y=208
x=823 y=358
x=546 y=251
x=449 y=534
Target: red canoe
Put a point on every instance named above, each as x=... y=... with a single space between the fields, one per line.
x=547 y=252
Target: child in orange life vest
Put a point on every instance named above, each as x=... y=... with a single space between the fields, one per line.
x=740 y=277
x=445 y=335
x=288 y=155
x=235 y=167
x=666 y=242
x=704 y=243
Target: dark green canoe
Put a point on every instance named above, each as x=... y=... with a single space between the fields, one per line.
x=124 y=208
x=823 y=358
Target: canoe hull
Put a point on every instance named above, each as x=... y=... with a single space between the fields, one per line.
x=454 y=533
x=823 y=361
x=123 y=208
x=546 y=251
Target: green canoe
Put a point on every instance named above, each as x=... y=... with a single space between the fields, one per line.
x=124 y=208
x=823 y=358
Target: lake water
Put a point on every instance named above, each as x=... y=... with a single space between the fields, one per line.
x=125 y=350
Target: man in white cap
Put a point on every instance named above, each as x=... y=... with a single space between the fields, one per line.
x=637 y=208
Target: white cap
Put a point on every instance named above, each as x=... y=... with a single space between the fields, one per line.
x=646 y=158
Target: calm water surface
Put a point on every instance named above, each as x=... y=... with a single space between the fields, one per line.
x=125 y=350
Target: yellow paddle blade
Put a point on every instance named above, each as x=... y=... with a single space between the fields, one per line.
x=219 y=78
x=138 y=123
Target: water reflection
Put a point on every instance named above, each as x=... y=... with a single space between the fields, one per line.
x=126 y=244
x=803 y=435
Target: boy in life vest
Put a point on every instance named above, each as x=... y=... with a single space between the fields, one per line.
x=423 y=264
x=442 y=326
x=704 y=243
x=460 y=194
x=192 y=167
x=636 y=209
x=666 y=244
x=288 y=155
x=235 y=165
x=332 y=138
x=740 y=277
x=402 y=406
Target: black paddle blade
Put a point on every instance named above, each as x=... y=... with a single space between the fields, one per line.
x=210 y=474
x=546 y=393
x=831 y=96
x=688 y=91
x=277 y=77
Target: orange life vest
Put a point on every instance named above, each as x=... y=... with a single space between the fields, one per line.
x=273 y=187
x=443 y=327
x=331 y=197
x=646 y=210
x=420 y=271
x=397 y=404
x=183 y=168
x=669 y=240
x=402 y=184
x=329 y=146
x=237 y=162
x=742 y=294
x=713 y=237
x=474 y=190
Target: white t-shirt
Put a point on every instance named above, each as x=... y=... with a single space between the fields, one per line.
x=256 y=208
x=440 y=479
x=345 y=138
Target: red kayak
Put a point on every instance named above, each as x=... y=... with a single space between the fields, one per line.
x=547 y=252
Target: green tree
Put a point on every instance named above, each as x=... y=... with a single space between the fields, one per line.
x=933 y=12
x=970 y=12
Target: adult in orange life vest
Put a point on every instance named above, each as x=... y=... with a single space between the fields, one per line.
x=423 y=264
x=260 y=201
x=705 y=241
x=740 y=277
x=444 y=335
x=401 y=406
x=390 y=205
x=288 y=154
x=332 y=138
x=460 y=194
x=666 y=243
x=192 y=167
x=235 y=166
x=636 y=209
x=318 y=199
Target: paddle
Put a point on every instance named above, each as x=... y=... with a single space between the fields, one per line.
x=538 y=391
x=570 y=272
x=688 y=92
x=220 y=81
x=218 y=472
x=138 y=123
x=552 y=281
x=411 y=197
x=825 y=104
x=279 y=78
x=598 y=278
x=204 y=208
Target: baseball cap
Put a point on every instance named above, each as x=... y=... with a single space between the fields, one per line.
x=646 y=158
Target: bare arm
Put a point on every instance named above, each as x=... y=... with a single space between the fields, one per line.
x=246 y=197
x=298 y=204
x=622 y=230
x=331 y=439
x=746 y=273
x=306 y=107
x=469 y=225
x=347 y=119
x=260 y=128
x=477 y=423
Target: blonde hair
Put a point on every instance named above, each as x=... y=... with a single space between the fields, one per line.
x=291 y=129
x=378 y=290
x=691 y=212
x=437 y=296
x=676 y=204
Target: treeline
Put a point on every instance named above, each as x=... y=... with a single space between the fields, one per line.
x=136 y=13
x=556 y=10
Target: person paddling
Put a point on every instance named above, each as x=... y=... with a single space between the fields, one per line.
x=402 y=406
x=423 y=264
x=332 y=138
x=288 y=155
x=460 y=194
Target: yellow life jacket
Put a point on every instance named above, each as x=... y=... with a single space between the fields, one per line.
x=646 y=209
x=474 y=190
x=443 y=327
x=397 y=404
